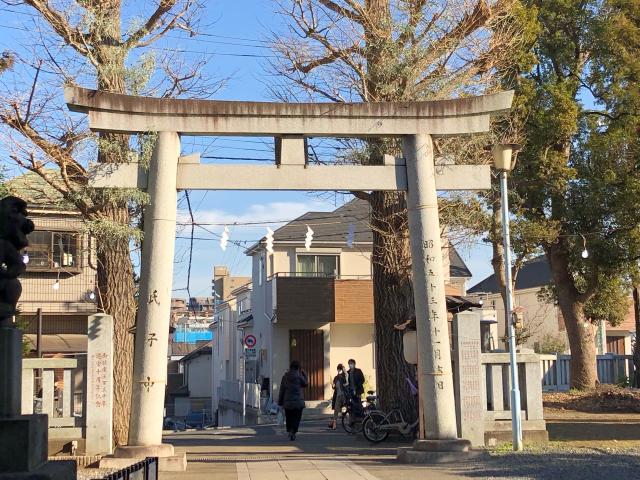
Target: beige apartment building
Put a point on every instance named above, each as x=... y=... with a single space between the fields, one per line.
x=543 y=318
x=60 y=279
x=223 y=284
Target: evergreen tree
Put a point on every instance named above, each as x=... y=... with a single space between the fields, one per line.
x=577 y=177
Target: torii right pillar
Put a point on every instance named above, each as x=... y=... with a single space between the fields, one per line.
x=435 y=377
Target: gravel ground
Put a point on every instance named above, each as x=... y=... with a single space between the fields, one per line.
x=559 y=463
x=93 y=473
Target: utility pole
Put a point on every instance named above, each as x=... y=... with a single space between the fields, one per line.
x=502 y=156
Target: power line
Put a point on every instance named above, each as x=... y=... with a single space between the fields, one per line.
x=178 y=50
x=186 y=194
x=304 y=221
x=253 y=159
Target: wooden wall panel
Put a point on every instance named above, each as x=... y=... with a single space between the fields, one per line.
x=354 y=301
x=305 y=300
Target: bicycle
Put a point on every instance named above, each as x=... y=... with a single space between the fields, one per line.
x=377 y=424
x=353 y=413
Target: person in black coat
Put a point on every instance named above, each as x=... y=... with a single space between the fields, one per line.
x=291 y=397
x=339 y=386
x=356 y=379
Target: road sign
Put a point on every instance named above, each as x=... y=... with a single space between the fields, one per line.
x=250 y=353
x=250 y=341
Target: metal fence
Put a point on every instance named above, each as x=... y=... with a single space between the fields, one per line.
x=146 y=469
x=611 y=369
x=232 y=391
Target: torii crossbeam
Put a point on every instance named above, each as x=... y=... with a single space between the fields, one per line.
x=290 y=125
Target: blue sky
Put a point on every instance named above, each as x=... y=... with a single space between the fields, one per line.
x=234 y=49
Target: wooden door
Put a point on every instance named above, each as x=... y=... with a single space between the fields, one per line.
x=307 y=346
x=615 y=345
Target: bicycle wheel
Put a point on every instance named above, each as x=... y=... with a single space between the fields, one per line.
x=350 y=423
x=371 y=427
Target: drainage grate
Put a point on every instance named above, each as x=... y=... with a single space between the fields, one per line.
x=232 y=458
x=279 y=457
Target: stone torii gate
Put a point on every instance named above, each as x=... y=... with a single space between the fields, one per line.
x=290 y=125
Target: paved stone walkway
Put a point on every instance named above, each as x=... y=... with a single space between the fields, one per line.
x=265 y=453
x=302 y=470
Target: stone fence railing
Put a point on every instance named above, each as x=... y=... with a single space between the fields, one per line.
x=231 y=391
x=483 y=388
x=611 y=368
x=76 y=393
x=56 y=387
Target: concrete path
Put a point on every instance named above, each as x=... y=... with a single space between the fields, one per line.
x=302 y=470
x=265 y=453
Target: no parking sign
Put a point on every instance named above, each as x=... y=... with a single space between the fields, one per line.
x=250 y=341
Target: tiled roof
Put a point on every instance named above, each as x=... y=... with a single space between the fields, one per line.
x=203 y=350
x=332 y=228
x=33 y=189
x=533 y=274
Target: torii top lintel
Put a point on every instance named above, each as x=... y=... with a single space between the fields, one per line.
x=130 y=114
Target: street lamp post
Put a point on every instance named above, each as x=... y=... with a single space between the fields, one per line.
x=504 y=161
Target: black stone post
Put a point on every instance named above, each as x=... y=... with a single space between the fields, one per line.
x=14 y=228
x=23 y=438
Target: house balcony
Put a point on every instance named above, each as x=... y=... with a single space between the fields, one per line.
x=317 y=298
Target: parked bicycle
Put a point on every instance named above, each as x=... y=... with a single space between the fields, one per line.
x=377 y=425
x=354 y=413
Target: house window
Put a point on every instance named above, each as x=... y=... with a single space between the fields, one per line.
x=53 y=250
x=318 y=265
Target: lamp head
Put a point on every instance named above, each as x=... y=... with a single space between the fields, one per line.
x=504 y=155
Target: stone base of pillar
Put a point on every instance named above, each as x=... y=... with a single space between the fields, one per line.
x=134 y=451
x=127 y=455
x=23 y=450
x=438 y=451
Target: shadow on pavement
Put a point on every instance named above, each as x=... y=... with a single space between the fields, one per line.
x=314 y=439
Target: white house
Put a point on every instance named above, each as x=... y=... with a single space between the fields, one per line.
x=195 y=394
x=316 y=304
x=230 y=360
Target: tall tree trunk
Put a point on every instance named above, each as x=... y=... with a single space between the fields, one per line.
x=115 y=271
x=391 y=258
x=393 y=299
x=636 y=346
x=579 y=329
x=498 y=259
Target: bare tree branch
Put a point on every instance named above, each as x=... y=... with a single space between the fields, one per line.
x=70 y=34
x=355 y=16
x=154 y=20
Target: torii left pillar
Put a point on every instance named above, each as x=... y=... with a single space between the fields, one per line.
x=154 y=311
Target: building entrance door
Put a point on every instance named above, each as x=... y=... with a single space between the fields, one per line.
x=307 y=346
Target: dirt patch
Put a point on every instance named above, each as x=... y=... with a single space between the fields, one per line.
x=603 y=399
